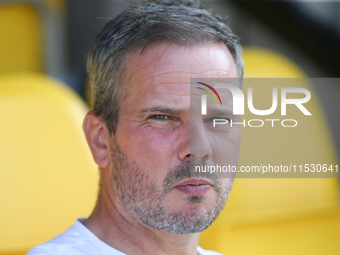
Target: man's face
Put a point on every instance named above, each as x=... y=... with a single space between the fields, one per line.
x=161 y=135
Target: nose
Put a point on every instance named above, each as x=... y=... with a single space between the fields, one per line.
x=184 y=149
x=197 y=146
x=200 y=146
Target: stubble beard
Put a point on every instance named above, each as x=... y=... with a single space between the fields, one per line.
x=144 y=200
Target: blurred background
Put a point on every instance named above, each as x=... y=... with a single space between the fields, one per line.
x=43 y=48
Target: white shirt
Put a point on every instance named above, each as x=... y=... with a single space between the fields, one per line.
x=79 y=240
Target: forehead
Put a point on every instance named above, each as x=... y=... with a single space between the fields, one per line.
x=164 y=67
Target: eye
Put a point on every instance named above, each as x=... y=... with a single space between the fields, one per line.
x=160 y=117
x=162 y=122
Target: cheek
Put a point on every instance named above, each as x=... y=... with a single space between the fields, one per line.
x=227 y=184
x=152 y=149
x=226 y=148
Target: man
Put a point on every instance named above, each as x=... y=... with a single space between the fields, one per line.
x=147 y=134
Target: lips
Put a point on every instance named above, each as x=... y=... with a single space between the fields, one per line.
x=194 y=187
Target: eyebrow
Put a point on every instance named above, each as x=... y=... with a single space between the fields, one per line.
x=167 y=110
x=221 y=112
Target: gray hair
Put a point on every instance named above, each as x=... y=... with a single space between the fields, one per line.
x=180 y=22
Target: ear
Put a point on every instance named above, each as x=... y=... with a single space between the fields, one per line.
x=97 y=137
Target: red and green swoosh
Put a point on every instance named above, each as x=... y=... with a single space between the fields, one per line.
x=218 y=96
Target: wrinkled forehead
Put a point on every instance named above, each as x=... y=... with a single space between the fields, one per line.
x=174 y=64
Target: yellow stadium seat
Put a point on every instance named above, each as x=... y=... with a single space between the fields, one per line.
x=280 y=216
x=32 y=37
x=47 y=174
x=57 y=3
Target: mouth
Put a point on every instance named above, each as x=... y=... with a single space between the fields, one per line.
x=194 y=187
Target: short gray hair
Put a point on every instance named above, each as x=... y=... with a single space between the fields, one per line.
x=180 y=22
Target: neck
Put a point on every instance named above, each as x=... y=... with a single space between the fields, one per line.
x=113 y=225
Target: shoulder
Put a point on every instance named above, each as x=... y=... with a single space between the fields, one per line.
x=207 y=252
x=67 y=243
